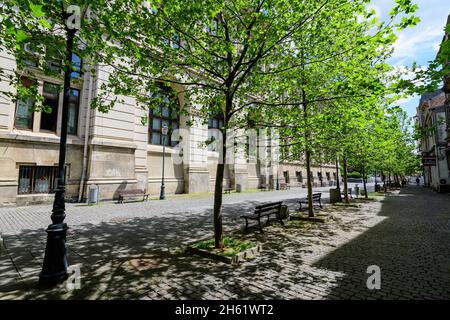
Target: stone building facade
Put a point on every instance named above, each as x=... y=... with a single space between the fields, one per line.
x=446 y=89
x=114 y=150
x=432 y=118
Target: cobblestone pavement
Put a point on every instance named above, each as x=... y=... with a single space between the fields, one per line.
x=133 y=255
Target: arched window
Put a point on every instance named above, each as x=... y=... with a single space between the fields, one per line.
x=214 y=126
x=166 y=113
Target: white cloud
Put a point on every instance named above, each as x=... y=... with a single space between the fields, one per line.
x=436 y=46
x=408 y=45
x=377 y=9
x=406 y=100
x=406 y=74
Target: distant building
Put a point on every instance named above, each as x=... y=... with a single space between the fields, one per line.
x=447 y=98
x=431 y=115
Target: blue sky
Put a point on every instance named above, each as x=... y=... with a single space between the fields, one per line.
x=419 y=43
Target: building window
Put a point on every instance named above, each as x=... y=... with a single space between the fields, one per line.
x=52 y=60
x=328 y=176
x=30 y=54
x=286 y=176
x=285 y=148
x=24 y=114
x=77 y=64
x=299 y=176
x=37 y=179
x=214 y=132
x=74 y=102
x=166 y=114
x=51 y=101
x=24 y=109
x=334 y=176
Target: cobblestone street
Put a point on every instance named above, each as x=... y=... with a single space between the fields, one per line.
x=132 y=250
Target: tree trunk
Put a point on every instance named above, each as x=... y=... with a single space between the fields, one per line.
x=218 y=187
x=308 y=157
x=338 y=178
x=309 y=183
x=364 y=182
x=218 y=229
x=375 y=177
x=346 y=200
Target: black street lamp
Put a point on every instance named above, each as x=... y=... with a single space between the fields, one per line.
x=278 y=181
x=54 y=269
x=164 y=131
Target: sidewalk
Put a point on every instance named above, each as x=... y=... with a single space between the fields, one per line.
x=135 y=256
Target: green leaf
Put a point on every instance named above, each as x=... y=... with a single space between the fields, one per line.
x=21 y=36
x=45 y=23
x=37 y=10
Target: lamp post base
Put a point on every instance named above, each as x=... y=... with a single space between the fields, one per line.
x=162 y=195
x=54 y=269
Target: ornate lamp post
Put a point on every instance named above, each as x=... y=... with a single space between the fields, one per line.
x=54 y=269
x=278 y=181
x=164 y=131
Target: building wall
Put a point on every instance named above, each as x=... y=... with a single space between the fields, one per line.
x=34 y=147
x=432 y=114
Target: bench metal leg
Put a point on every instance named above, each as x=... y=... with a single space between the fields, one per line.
x=260 y=226
x=246 y=224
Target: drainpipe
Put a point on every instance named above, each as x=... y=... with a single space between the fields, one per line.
x=86 y=138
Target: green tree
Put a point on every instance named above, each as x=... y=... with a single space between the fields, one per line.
x=226 y=51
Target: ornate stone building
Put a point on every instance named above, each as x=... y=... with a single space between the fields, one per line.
x=431 y=116
x=114 y=150
x=434 y=113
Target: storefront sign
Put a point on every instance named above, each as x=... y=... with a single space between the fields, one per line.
x=429 y=160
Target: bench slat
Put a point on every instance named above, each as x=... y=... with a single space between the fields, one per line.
x=132 y=193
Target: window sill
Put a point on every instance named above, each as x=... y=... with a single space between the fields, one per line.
x=31 y=195
x=159 y=149
x=44 y=137
x=213 y=154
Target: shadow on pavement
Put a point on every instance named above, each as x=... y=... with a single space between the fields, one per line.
x=127 y=257
x=411 y=246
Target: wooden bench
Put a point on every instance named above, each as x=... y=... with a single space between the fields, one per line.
x=264 y=210
x=316 y=198
x=265 y=187
x=132 y=193
x=285 y=186
x=227 y=189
